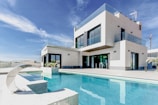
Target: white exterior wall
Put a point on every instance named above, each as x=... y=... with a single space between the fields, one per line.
x=141 y=50
x=69 y=57
x=120 y=54
x=126 y=48
x=114 y=25
x=117 y=56
x=98 y=20
x=110 y=28
x=44 y=51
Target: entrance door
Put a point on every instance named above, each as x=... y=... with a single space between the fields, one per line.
x=134 y=61
x=99 y=61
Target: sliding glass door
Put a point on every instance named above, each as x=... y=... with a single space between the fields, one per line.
x=99 y=61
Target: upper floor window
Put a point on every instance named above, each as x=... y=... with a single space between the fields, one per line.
x=80 y=41
x=94 y=35
x=122 y=34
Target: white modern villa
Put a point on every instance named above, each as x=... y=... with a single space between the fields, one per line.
x=105 y=39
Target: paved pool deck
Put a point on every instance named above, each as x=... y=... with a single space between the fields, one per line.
x=135 y=75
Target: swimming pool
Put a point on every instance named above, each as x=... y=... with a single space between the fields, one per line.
x=101 y=91
x=32 y=76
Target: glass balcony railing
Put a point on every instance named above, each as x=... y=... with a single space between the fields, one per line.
x=131 y=38
x=96 y=13
x=93 y=40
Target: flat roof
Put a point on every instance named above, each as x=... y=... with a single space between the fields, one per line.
x=61 y=47
x=95 y=13
x=153 y=51
x=104 y=7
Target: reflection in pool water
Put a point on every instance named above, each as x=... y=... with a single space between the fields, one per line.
x=101 y=91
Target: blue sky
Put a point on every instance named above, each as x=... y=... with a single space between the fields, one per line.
x=26 y=26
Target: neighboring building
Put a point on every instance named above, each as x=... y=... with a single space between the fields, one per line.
x=153 y=53
x=105 y=39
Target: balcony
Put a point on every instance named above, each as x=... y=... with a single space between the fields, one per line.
x=131 y=38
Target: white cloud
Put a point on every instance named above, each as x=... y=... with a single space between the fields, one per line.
x=81 y=4
x=152 y=23
x=74 y=19
x=147 y=11
x=11 y=2
x=37 y=41
x=18 y=22
x=23 y=24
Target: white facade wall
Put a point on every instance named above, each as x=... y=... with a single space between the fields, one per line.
x=120 y=54
x=141 y=50
x=69 y=57
x=117 y=56
x=98 y=20
x=110 y=28
x=114 y=23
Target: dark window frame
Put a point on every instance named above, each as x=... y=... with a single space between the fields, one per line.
x=49 y=59
x=94 y=41
x=81 y=41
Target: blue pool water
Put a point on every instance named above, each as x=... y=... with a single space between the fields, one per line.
x=100 y=91
x=32 y=76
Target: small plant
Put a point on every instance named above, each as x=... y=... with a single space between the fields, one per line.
x=52 y=64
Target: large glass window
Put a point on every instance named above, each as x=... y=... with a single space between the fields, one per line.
x=80 y=41
x=94 y=35
x=52 y=58
x=55 y=58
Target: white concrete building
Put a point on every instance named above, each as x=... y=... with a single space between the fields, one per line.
x=105 y=39
x=153 y=53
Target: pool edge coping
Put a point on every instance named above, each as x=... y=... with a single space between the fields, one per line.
x=134 y=79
